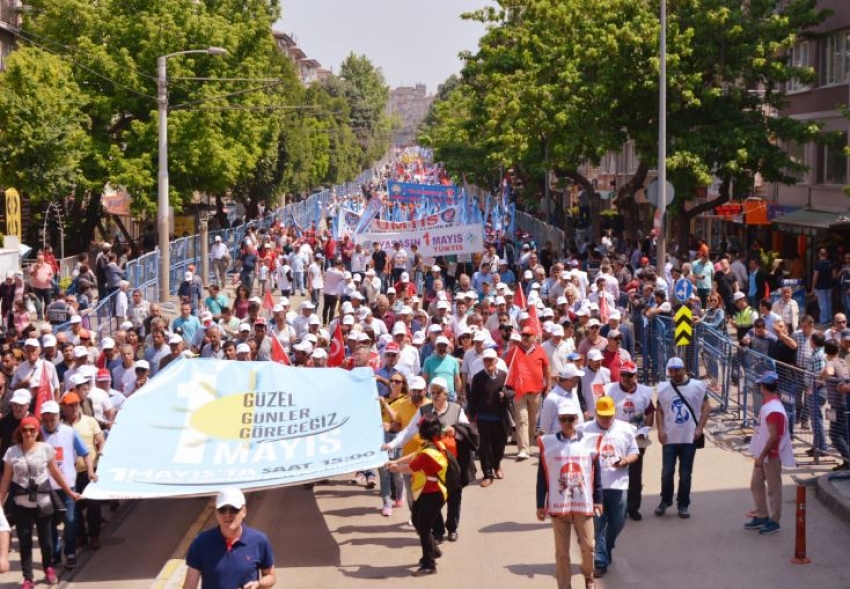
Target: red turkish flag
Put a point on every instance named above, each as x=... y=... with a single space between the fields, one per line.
x=519 y=297
x=519 y=371
x=44 y=393
x=336 y=355
x=534 y=320
x=278 y=353
x=268 y=302
x=604 y=311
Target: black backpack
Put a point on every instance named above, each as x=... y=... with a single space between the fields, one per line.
x=452 y=480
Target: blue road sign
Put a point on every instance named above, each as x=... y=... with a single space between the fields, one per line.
x=683 y=290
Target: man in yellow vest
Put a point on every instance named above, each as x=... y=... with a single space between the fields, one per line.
x=569 y=490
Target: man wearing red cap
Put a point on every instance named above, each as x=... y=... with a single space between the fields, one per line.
x=528 y=376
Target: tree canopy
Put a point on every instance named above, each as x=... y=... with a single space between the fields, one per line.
x=78 y=105
x=577 y=78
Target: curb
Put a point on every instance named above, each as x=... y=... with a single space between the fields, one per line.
x=831 y=498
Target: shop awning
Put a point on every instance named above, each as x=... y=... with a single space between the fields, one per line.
x=806 y=221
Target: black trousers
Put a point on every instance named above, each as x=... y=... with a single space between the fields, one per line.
x=25 y=517
x=329 y=308
x=491 y=448
x=426 y=510
x=635 y=494
x=452 y=520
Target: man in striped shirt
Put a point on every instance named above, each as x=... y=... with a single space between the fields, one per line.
x=802 y=339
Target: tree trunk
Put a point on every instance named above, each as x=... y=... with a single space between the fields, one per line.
x=627 y=203
x=685 y=226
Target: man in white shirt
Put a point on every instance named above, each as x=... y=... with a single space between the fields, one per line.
x=556 y=350
x=221 y=260
x=615 y=442
x=564 y=391
x=635 y=407
x=683 y=409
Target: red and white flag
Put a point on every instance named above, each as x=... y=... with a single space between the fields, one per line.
x=279 y=355
x=519 y=297
x=44 y=393
x=336 y=354
x=534 y=320
x=268 y=302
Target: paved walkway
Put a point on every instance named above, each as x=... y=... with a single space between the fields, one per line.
x=334 y=536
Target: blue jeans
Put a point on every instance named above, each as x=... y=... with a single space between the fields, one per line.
x=609 y=525
x=685 y=454
x=824 y=296
x=388 y=478
x=68 y=545
x=298 y=280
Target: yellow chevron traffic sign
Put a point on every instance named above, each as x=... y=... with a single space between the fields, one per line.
x=684 y=328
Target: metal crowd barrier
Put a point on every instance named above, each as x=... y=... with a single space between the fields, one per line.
x=817 y=412
x=143 y=272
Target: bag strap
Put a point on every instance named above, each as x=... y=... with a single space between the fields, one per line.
x=685 y=401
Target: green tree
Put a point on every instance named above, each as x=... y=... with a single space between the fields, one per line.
x=43 y=129
x=574 y=79
x=220 y=131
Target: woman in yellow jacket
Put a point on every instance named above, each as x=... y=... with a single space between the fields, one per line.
x=427 y=468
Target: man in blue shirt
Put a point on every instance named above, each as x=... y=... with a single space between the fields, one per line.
x=231 y=555
x=187 y=323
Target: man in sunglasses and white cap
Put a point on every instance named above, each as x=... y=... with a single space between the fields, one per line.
x=231 y=555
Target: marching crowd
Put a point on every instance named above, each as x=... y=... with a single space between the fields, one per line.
x=520 y=342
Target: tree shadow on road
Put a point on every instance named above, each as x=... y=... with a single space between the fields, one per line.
x=393 y=542
x=399 y=527
x=372 y=572
x=351 y=512
x=531 y=571
x=514 y=527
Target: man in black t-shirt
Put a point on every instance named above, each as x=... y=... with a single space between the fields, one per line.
x=379 y=263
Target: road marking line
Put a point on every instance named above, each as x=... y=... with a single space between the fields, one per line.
x=172 y=568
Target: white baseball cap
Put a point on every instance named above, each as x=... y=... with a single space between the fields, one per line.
x=594 y=355
x=570 y=371
x=230 y=496
x=442 y=340
x=21 y=397
x=243 y=348
x=49 y=407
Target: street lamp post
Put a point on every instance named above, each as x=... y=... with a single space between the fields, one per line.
x=162 y=222
x=661 y=257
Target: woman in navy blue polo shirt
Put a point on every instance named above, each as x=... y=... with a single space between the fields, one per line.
x=231 y=555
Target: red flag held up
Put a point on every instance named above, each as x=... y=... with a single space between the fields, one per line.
x=336 y=353
x=44 y=393
x=278 y=353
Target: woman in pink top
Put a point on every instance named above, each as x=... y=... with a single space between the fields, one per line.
x=41 y=281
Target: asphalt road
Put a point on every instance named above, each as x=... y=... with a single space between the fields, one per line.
x=334 y=536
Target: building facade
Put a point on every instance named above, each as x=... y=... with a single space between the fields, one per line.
x=410 y=104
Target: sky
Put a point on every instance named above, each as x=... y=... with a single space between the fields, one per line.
x=410 y=40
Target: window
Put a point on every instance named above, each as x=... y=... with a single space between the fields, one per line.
x=799 y=57
x=836 y=59
x=832 y=160
x=797 y=154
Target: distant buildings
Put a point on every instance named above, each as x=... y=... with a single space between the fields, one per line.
x=410 y=104
x=10 y=20
x=309 y=70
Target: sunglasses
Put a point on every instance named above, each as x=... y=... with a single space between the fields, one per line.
x=627 y=376
x=228 y=510
x=525 y=335
x=29 y=430
x=567 y=418
x=396 y=381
